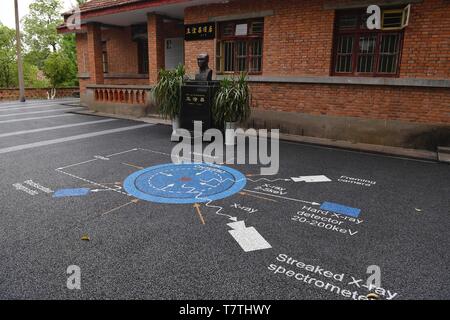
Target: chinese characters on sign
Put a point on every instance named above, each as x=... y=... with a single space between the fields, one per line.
x=202 y=31
x=195 y=99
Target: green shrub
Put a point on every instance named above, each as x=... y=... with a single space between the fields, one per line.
x=167 y=92
x=232 y=100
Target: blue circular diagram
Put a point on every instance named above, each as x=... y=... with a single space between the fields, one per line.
x=184 y=183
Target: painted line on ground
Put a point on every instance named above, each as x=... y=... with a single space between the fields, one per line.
x=31 y=106
x=120 y=207
x=96 y=159
x=92 y=182
x=268 y=180
x=157 y=152
x=9 y=134
x=77 y=164
x=285 y=198
x=34 y=107
x=199 y=213
x=133 y=166
x=115 y=184
x=258 y=197
x=39 y=118
x=72 y=138
x=120 y=153
x=36 y=103
x=37 y=112
x=188 y=160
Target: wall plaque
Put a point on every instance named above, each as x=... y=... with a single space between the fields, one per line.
x=200 y=31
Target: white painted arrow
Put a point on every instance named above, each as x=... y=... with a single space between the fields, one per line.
x=201 y=172
x=248 y=237
x=167 y=187
x=309 y=179
x=166 y=174
x=218 y=212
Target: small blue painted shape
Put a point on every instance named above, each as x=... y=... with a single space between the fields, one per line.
x=339 y=208
x=61 y=193
x=184 y=183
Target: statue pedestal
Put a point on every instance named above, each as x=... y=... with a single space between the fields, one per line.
x=196 y=103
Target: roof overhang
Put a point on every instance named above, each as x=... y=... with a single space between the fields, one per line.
x=136 y=12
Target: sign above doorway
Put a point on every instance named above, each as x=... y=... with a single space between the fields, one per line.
x=200 y=31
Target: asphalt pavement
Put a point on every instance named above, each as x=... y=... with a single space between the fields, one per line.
x=332 y=224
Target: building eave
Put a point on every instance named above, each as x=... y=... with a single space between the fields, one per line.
x=132 y=6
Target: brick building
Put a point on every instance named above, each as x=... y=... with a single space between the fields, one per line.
x=315 y=68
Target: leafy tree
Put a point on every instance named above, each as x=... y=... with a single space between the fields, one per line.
x=46 y=48
x=33 y=77
x=40 y=25
x=8 y=66
x=7 y=57
x=69 y=49
x=57 y=68
x=49 y=58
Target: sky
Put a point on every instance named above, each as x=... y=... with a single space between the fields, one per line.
x=7 y=10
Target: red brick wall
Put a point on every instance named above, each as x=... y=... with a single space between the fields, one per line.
x=122 y=56
x=83 y=84
x=94 y=49
x=192 y=49
x=82 y=59
x=126 y=81
x=174 y=29
x=426 y=47
x=32 y=93
x=155 y=30
x=122 y=50
x=422 y=105
x=82 y=53
x=298 y=38
x=298 y=41
x=123 y=53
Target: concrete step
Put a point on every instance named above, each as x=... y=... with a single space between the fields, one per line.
x=444 y=154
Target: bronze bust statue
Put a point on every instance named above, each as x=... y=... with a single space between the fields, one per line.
x=204 y=73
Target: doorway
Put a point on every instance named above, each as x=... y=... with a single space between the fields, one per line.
x=174 y=52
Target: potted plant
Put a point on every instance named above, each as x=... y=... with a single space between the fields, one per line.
x=166 y=94
x=232 y=105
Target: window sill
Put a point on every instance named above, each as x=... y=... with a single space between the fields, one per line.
x=341 y=80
